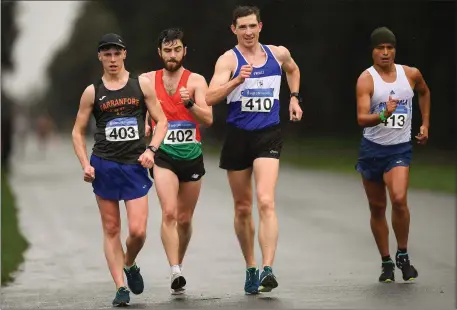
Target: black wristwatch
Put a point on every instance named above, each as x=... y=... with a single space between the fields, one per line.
x=297 y=95
x=152 y=148
x=189 y=104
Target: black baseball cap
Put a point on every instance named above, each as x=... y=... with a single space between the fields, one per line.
x=111 y=39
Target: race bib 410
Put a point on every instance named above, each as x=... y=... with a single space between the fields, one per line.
x=397 y=120
x=180 y=132
x=257 y=100
x=122 y=129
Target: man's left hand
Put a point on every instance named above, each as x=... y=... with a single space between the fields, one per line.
x=147 y=159
x=422 y=137
x=295 y=111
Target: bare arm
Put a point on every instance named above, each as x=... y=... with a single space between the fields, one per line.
x=290 y=68
x=221 y=85
x=146 y=120
x=363 y=90
x=155 y=111
x=86 y=106
x=200 y=110
x=424 y=96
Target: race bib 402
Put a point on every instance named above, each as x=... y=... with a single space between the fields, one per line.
x=257 y=100
x=180 y=132
x=122 y=129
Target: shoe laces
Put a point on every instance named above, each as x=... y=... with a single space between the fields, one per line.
x=251 y=274
x=403 y=260
x=132 y=271
x=387 y=266
x=121 y=290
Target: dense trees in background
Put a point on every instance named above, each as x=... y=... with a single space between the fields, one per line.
x=329 y=41
x=9 y=35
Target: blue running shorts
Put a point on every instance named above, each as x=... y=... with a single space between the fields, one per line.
x=376 y=159
x=116 y=181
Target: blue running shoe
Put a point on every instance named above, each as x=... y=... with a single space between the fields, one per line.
x=122 y=297
x=134 y=279
x=267 y=280
x=251 y=286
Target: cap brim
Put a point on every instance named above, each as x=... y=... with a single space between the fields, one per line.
x=111 y=44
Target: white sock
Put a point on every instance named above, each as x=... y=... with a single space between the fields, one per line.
x=180 y=266
x=175 y=269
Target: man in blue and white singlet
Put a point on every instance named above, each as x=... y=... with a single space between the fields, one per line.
x=385 y=94
x=249 y=77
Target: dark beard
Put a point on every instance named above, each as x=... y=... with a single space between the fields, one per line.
x=172 y=66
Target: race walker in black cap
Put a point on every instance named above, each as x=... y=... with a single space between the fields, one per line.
x=111 y=40
x=384 y=109
x=118 y=166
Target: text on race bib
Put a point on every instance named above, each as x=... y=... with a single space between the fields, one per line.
x=180 y=132
x=122 y=129
x=257 y=100
x=397 y=120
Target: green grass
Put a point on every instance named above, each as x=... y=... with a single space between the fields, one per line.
x=13 y=242
x=430 y=169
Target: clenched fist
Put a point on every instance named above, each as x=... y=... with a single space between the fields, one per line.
x=89 y=173
x=185 y=96
x=147 y=159
x=245 y=72
x=391 y=106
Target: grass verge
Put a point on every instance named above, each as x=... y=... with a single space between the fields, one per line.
x=13 y=242
x=430 y=169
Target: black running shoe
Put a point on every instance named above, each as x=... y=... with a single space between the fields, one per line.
x=403 y=263
x=267 y=280
x=388 y=272
x=134 y=279
x=122 y=297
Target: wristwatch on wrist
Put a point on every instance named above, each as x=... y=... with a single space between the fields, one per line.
x=152 y=148
x=189 y=104
x=297 y=95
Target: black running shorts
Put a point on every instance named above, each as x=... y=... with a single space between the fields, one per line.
x=185 y=170
x=241 y=147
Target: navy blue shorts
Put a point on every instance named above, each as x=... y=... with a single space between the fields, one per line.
x=375 y=159
x=116 y=181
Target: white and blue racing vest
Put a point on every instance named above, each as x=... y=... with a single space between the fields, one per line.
x=254 y=104
x=397 y=128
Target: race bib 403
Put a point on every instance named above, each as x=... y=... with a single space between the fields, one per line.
x=180 y=132
x=257 y=100
x=122 y=129
x=397 y=120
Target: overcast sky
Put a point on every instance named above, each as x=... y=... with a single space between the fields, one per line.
x=43 y=26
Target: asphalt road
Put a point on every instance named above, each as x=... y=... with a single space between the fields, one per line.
x=326 y=257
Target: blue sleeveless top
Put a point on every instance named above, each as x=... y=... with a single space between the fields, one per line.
x=254 y=104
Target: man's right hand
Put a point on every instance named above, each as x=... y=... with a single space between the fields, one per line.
x=391 y=106
x=89 y=173
x=245 y=72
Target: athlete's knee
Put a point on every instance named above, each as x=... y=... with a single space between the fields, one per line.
x=266 y=204
x=112 y=229
x=243 y=209
x=137 y=232
x=184 y=219
x=398 y=200
x=169 y=215
x=377 y=209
